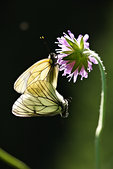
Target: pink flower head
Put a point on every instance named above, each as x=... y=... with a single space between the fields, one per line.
x=74 y=56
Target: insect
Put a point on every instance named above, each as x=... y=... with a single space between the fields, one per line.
x=40 y=99
x=45 y=69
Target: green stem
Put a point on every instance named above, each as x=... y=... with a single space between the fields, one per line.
x=12 y=161
x=101 y=112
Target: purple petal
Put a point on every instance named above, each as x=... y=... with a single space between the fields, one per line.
x=75 y=75
x=64 y=48
x=68 y=68
x=89 y=66
x=61 y=56
x=70 y=77
x=86 y=37
x=83 y=73
x=86 y=45
x=62 y=41
x=66 y=71
x=61 y=62
x=79 y=39
x=71 y=34
x=68 y=37
x=93 y=60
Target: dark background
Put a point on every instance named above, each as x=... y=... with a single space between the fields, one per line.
x=54 y=142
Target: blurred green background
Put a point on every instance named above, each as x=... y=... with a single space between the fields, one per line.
x=54 y=142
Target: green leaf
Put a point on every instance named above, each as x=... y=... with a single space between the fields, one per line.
x=80 y=66
x=12 y=161
x=70 y=57
x=75 y=41
x=75 y=66
x=72 y=44
x=82 y=43
x=70 y=61
x=67 y=52
x=85 y=63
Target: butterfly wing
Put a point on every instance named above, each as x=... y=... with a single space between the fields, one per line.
x=24 y=79
x=39 y=99
x=41 y=70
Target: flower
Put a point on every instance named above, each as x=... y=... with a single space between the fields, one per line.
x=74 y=56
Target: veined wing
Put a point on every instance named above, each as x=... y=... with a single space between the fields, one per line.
x=41 y=70
x=22 y=82
x=40 y=99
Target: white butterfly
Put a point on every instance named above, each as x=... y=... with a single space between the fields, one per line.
x=40 y=99
x=45 y=69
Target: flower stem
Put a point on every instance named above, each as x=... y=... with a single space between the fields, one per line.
x=101 y=112
x=12 y=161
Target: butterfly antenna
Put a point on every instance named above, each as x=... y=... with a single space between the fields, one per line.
x=45 y=43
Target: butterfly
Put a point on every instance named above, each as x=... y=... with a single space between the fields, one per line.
x=45 y=69
x=40 y=99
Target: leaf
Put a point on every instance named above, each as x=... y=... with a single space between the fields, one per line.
x=72 y=44
x=85 y=63
x=82 y=43
x=67 y=52
x=75 y=66
x=70 y=57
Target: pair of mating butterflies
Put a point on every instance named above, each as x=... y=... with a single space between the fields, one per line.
x=38 y=88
